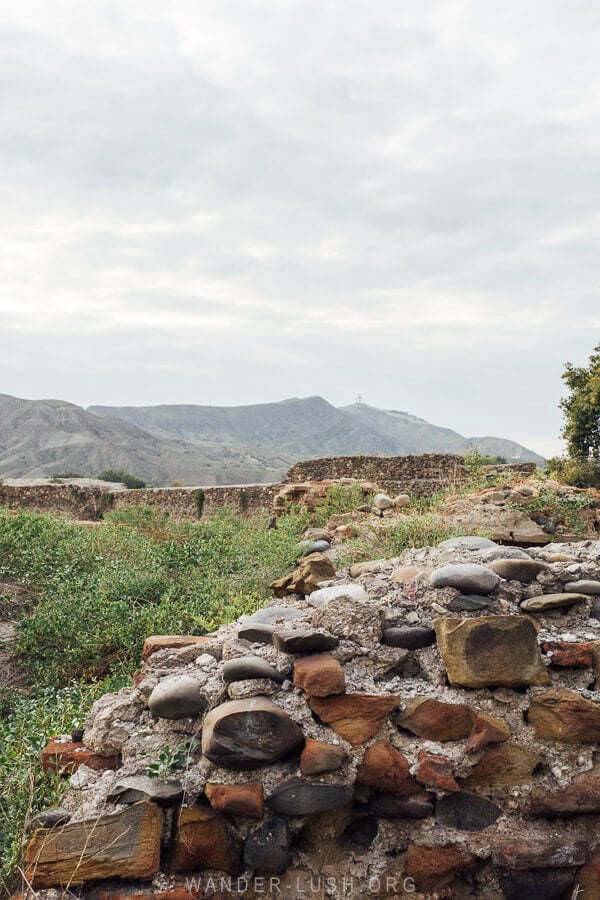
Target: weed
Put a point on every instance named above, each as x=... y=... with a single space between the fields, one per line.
x=171 y=759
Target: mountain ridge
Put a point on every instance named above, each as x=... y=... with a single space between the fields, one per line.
x=211 y=445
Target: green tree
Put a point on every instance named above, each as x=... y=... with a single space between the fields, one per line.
x=581 y=408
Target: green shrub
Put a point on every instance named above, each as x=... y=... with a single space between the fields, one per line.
x=26 y=725
x=582 y=473
x=120 y=475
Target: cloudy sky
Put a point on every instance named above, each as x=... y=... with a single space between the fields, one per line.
x=246 y=200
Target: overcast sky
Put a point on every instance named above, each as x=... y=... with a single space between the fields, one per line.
x=241 y=201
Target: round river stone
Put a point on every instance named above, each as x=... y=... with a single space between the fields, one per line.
x=248 y=734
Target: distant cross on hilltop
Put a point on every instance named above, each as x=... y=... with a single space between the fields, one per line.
x=359 y=399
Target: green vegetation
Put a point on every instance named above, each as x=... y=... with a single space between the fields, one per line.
x=475 y=460
x=26 y=724
x=582 y=473
x=581 y=408
x=120 y=475
x=171 y=759
x=93 y=595
x=562 y=511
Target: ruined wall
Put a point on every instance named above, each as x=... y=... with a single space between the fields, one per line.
x=427 y=725
x=179 y=503
x=420 y=475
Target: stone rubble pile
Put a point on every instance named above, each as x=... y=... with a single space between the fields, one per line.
x=433 y=718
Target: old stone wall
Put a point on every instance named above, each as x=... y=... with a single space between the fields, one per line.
x=420 y=475
x=179 y=503
x=425 y=726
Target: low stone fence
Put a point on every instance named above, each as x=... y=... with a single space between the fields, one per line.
x=93 y=502
x=420 y=475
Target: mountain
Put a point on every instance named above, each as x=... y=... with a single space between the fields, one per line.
x=210 y=444
x=300 y=428
x=41 y=438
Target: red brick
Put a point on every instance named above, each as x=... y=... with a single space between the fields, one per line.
x=237 y=799
x=319 y=756
x=570 y=654
x=319 y=675
x=172 y=642
x=65 y=757
x=433 y=867
x=356 y=717
x=385 y=768
x=435 y=770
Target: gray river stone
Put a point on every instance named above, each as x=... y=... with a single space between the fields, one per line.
x=469 y=603
x=49 y=818
x=498 y=552
x=552 y=601
x=272 y=614
x=396 y=807
x=257 y=633
x=469 y=578
x=465 y=811
x=133 y=788
x=297 y=797
x=249 y=733
x=524 y=570
x=267 y=849
x=468 y=542
x=414 y=638
x=177 y=697
x=303 y=640
x=316 y=547
x=242 y=668
x=583 y=587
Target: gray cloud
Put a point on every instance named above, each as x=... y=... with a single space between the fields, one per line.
x=243 y=201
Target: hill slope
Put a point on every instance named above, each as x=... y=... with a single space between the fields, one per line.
x=298 y=428
x=41 y=438
x=210 y=444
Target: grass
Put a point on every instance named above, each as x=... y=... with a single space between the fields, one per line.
x=93 y=594
x=89 y=596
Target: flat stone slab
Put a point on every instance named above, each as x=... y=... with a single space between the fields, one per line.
x=248 y=734
x=243 y=668
x=467 y=812
x=133 y=788
x=552 y=601
x=259 y=633
x=563 y=715
x=504 y=765
x=499 y=552
x=466 y=577
x=304 y=640
x=125 y=844
x=177 y=697
x=297 y=797
x=488 y=651
x=436 y=720
x=356 y=717
x=354 y=593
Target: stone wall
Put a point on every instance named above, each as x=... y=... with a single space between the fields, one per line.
x=92 y=502
x=426 y=725
x=420 y=475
